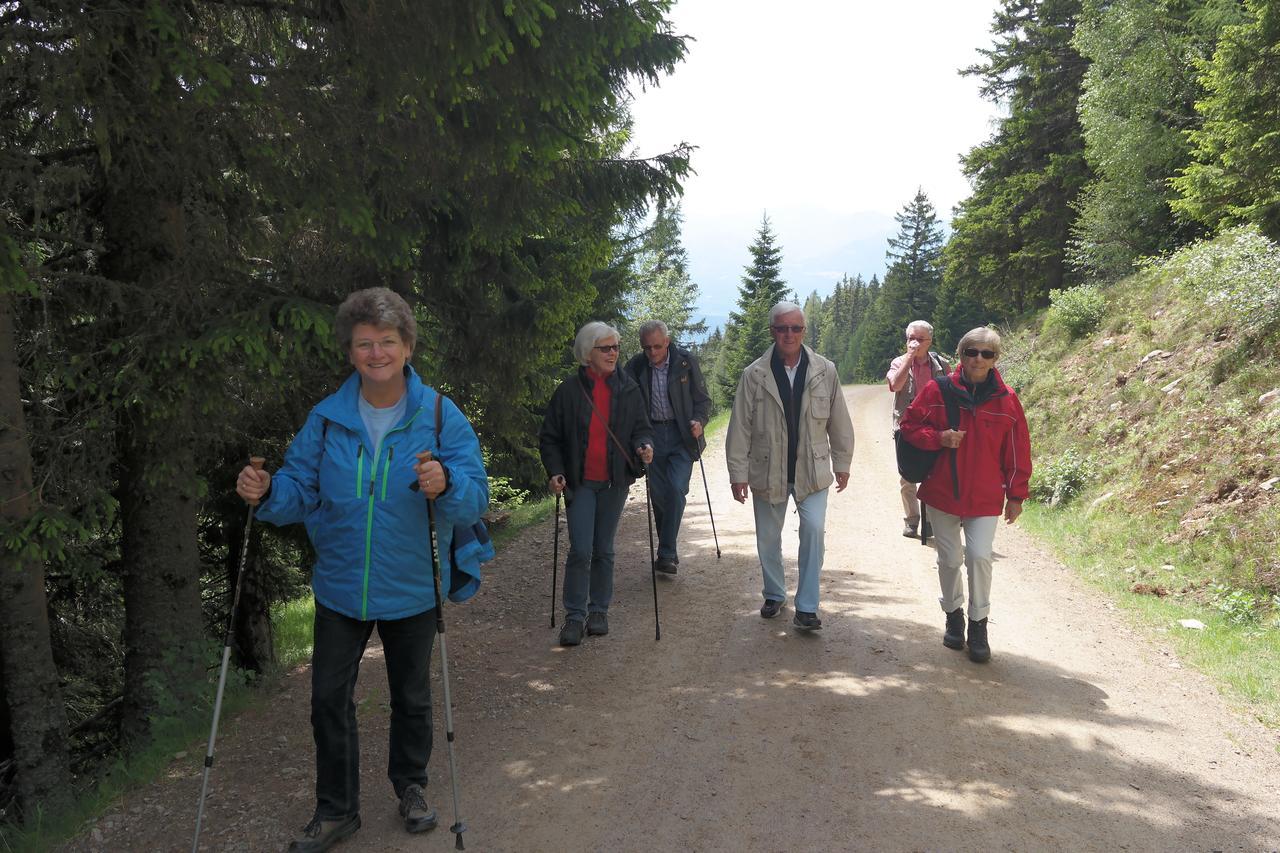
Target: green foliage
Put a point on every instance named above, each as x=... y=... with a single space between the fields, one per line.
x=662 y=289
x=1064 y=478
x=1235 y=274
x=1078 y=311
x=1135 y=109
x=1232 y=178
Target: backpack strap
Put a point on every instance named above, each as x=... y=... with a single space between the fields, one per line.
x=952 y=402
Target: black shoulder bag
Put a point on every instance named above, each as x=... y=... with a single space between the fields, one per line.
x=915 y=465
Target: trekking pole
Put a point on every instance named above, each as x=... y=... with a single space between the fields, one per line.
x=924 y=521
x=555 y=562
x=709 y=512
x=653 y=569
x=458 y=826
x=257 y=462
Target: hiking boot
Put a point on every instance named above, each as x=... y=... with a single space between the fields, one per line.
x=979 y=650
x=597 y=624
x=418 y=816
x=321 y=834
x=908 y=530
x=571 y=633
x=807 y=621
x=667 y=567
x=770 y=608
x=953 y=637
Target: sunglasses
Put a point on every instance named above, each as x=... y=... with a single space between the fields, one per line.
x=648 y=347
x=988 y=354
x=782 y=330
x=608 y=348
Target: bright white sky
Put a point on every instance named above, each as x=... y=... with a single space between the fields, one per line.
x=826 y=114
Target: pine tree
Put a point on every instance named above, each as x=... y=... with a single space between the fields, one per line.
x=1008 y=246
x=747 y=334
x=662 y=289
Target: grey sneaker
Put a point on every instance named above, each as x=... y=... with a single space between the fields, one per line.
x=321 y=834
x=418 y=816
x=807 y=621
x=597 y=624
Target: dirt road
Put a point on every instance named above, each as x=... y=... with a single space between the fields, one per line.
x=738 y=734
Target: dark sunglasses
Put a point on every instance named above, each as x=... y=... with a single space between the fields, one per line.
x=782 y=330
x=647 y=347
x=988 y=354
x=608 y=348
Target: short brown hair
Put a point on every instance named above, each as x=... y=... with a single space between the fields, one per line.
x=380 y=307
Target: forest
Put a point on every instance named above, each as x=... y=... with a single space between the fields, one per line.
x=189 y=189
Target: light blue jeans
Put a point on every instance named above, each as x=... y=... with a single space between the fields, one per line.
x=769 y=519
x=669 y=483
x=592 y=518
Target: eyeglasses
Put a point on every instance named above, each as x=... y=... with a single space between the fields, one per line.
x=782 y=330
x=608 y=348
x=988 y=354
x=647 y=347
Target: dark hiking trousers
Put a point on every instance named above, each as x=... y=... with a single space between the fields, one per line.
x=335 y=663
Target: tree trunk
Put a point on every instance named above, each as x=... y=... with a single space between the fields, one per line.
x=253 y=642
x=37 y=715
x=163 y=660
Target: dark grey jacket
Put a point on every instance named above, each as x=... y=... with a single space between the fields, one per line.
x=562 y=440
x=686 y=389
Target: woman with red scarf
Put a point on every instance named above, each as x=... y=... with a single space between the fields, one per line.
x=992 y=451
x=594 y=436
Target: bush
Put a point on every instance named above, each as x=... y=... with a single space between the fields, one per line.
x=1062 y=479
x=1077 y=311
x=1236 y=272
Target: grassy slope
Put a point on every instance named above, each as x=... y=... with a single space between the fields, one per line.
x=1188 y=531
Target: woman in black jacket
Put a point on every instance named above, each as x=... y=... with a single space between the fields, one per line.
x=593 y=439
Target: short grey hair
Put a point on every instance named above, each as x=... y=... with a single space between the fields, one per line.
x=590 y=335
x=920 y=324
x=978 y=336
x=380 y=307
x=783 y=307
x=651 y=326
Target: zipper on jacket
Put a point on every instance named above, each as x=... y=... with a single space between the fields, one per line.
x=359 y=470
x=368 y=523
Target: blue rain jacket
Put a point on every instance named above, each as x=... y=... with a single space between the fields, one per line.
x=369 y=529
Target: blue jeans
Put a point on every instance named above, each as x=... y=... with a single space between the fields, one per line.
x=669 y=484
x=592 y=517
x=769 y=518
x=335 y=663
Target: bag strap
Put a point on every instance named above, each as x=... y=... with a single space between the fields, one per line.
x=605 y=424
x=952 y=402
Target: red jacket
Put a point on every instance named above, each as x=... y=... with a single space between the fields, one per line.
x=993 y=461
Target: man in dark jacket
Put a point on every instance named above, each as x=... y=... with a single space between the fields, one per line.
x=676 y=398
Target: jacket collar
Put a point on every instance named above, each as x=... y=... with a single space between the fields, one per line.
x=817 y=368
x=343 y=406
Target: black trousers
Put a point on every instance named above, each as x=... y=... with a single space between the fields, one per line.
x=335 y=664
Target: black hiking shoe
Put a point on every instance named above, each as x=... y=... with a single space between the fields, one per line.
x=418 y=816
x=571 y=633
x=953 y=637
x=665 y=566
x=979 y=650
x=806 y=621
x=770 y=608
x=321 y=834
x=597 y=624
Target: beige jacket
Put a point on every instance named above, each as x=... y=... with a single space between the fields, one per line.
x=756 y=446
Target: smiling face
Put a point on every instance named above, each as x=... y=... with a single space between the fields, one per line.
x=603 y=357
x=378 y=354
x=979 y=351
x=655 y=346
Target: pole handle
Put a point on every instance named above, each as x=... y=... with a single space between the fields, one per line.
x=257 y=462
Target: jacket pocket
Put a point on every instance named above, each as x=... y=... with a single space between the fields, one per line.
x=758 y=470
x=820 y=406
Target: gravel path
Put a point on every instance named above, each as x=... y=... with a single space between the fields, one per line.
x=738 y=734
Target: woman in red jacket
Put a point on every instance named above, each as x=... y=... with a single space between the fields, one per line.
x=992 y=451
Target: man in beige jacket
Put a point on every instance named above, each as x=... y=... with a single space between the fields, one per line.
x=789 y=430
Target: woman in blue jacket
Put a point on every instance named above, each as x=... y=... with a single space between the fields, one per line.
x=348 y=476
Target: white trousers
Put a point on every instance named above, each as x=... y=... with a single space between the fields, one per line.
x=975 y=554
x=910 y=506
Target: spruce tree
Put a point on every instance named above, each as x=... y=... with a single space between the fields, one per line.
x=747 y=332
